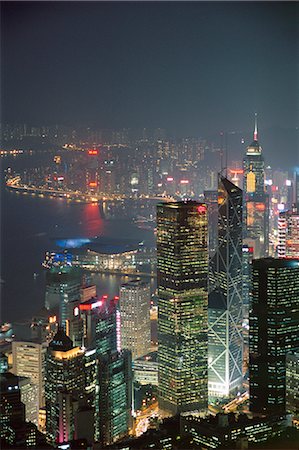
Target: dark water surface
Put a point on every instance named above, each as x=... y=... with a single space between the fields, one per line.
x=28 y=226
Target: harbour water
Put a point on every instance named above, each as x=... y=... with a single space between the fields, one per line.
x=29 y=226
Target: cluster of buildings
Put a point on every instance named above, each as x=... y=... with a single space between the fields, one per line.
x=228 y=329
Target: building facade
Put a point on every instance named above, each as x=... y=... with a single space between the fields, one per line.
x=134 y=306
x=292 y=384
x=273 y=325
x=182 y=270
x=256 y=201
x=225 y=295
x=288 y=234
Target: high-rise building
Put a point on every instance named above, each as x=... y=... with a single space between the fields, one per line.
x=225 y=295
x=288 y=234
x=134 y=305
x=29 y=361
x=113 y=379
x=211 y=199
x=63 y=285
x=64 y=384
x=273 y=331
x=29 y=396
x=292 y=384
x=256 y=201
x=182 y=269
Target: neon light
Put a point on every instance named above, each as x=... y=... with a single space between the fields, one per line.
x=201 y=209
x=184 y=181
x=169 y=178
x=92 y=152
x=92 y=184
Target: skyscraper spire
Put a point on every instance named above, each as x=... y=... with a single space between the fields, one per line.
x=255 y=127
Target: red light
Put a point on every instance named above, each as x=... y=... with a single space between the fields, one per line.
x=105 y=296
x=116 y=297
x=92 y=184
x=250 y=249
x=260 y=206
x=92 y=152
x=87 y=307
x=236 y=171
x=201 y=209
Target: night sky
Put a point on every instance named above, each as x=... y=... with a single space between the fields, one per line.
x=192 y=68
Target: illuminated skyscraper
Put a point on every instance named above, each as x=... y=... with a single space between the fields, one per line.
x=63 y=285
x=256 y=201
x=182 y=257
x=64 y=384
x=29 y=361
x=288 y=234
x=113 y=384
x=134 y=305
x=273 y=325
x=225 y=295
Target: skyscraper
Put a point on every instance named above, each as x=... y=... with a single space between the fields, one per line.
x=63 y=286
x=113 y=383
x=29 y=361
x=182 y=263
x=134 y=305
x=225 y=295
x=65 y=382
x=274 y=324
x=288 y=234
x=256 y=201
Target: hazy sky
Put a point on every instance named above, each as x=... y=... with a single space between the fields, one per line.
x=195 y=68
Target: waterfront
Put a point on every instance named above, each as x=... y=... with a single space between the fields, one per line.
x=30 y=224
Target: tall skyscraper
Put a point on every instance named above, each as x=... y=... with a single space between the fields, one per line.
x=273 y=331
x=182 y=263
x=225 y=295
x=113 y=383
x=63 y=285
x=256 y=201
x=29 y=361
x=64 y=384
x=292 y=384
x=134 y=305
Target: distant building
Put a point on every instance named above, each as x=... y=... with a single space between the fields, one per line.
x=182 y=256
x=256 y=201
x=273 y=332
x=134 y=306
x=292 y=384
x=29 y=396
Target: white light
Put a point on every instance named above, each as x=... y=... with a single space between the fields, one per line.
x=288 y=183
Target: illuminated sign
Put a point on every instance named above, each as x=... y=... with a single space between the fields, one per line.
x=184 y=181
x=92 y=184
x=201 y=209
x=169 y=178
x=93 y=152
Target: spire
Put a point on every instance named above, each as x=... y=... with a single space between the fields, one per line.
x=255 y=127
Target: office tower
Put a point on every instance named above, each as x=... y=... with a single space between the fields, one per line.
x=273 y=331
x=43 y=326
x=247 y=259
x=211 y=199
x=134 y=306
x=182 y=269
x=29 y=361
x=113 y=397
x=292 y=384
x=29 y=396
x=288 y=234
x=113 y=391
x=225 y=295
x=63 y=286
x=64 y=384
x=256 y=201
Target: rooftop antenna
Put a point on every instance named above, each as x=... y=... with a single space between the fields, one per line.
x=255 y=128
